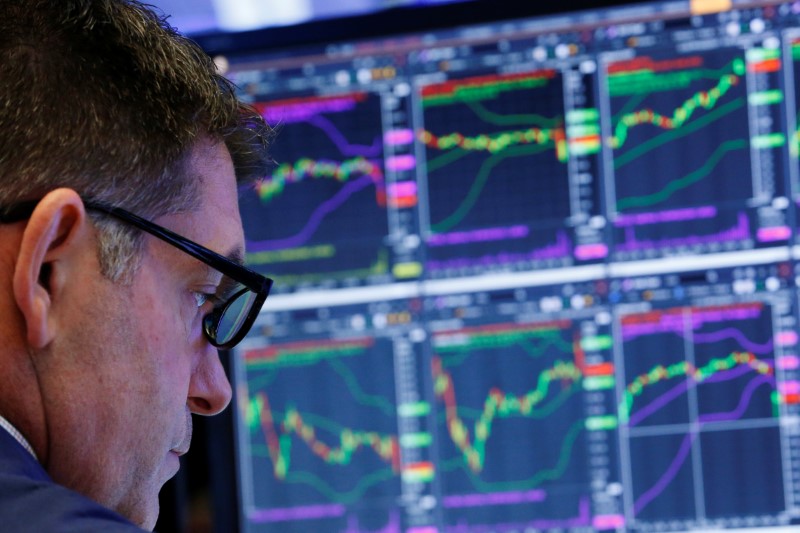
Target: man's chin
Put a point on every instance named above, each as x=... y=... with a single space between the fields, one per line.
x=149 y=518
x=142 y=510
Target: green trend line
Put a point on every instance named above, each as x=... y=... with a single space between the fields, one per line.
x=647 y=81
x=279 y=429
x=672 y=135
x=523 y=339
x=480 y=182
x=352 y=496
x=681 y=115
x=446 y=158
x=379 y=268
x=361 y=397
x=632 y=103
x=512 y=120
x=537 y=479
x=543 y=411
x=497 y=405
x=483 y=91
x=305 y=353
x=681 y=183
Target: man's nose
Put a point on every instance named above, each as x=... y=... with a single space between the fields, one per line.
x=209 y=388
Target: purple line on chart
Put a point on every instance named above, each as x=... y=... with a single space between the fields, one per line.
x=342 y=143
x=744 y=401
x=660 y=217
x=739 y=232
x=315 y=219
x=478 y=235
x=308 y=512
x=665 y=479
x=558 y=250
x=493 y=498
x=683 y=451
x=302 y=111
x=393 y=526
x=680 y=389
x=678 y=323
x=584 y=519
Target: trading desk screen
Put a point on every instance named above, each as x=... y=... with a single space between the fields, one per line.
x=531 y=275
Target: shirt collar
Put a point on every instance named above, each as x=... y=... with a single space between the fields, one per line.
x=14 y=432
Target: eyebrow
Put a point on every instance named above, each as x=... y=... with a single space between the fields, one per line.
x=236 y=255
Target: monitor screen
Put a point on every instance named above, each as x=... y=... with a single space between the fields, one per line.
x=532 y=274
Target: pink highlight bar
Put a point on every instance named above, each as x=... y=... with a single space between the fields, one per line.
x=308 y=512
x=608 y=521
x=495 y=498
x=789 y=387
x=398 y=137
x=591 y=251
x=777 y=233
x=786 y=338
x=425 y=529
x=401 y=162
x=402 y=188
x=788 y=362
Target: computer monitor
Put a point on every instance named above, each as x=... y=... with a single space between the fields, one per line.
x=532 y=274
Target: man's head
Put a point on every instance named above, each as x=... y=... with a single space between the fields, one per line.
x=104 y=345
x=104 y=97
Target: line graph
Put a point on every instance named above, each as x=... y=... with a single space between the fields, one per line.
x=322 y=210
x=524 y=380
x=698 y=382
x=322 y=453
x=695 y=105
x=483 y=136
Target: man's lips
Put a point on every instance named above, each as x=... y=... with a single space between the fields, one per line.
x=181 y=448
x=186 y=440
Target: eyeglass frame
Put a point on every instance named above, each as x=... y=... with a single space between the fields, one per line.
x=255 y=282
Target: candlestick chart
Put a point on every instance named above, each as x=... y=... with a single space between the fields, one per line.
x=700 y=394
x=500 y=388
x=496 y=153
x=321 y=214
x=330 y=455
x=679 y=135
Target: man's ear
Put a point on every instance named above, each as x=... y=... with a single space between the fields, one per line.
x=52 y=237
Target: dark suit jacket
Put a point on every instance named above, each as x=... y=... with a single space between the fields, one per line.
x=31 y=501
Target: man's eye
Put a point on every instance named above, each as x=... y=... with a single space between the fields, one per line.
x=201 y=298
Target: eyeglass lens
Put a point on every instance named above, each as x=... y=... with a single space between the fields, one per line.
x=234 y=315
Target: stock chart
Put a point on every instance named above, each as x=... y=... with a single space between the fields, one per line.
x=491 y=464
x=496 y=151
x=700 y=391
x=321 y=214
x=695 y=105
x=699 y=106
x=532 y=277
x=323 y=465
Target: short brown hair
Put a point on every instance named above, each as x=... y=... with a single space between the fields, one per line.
x=105 y=97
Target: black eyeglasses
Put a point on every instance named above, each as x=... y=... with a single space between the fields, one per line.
x=230 y=320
